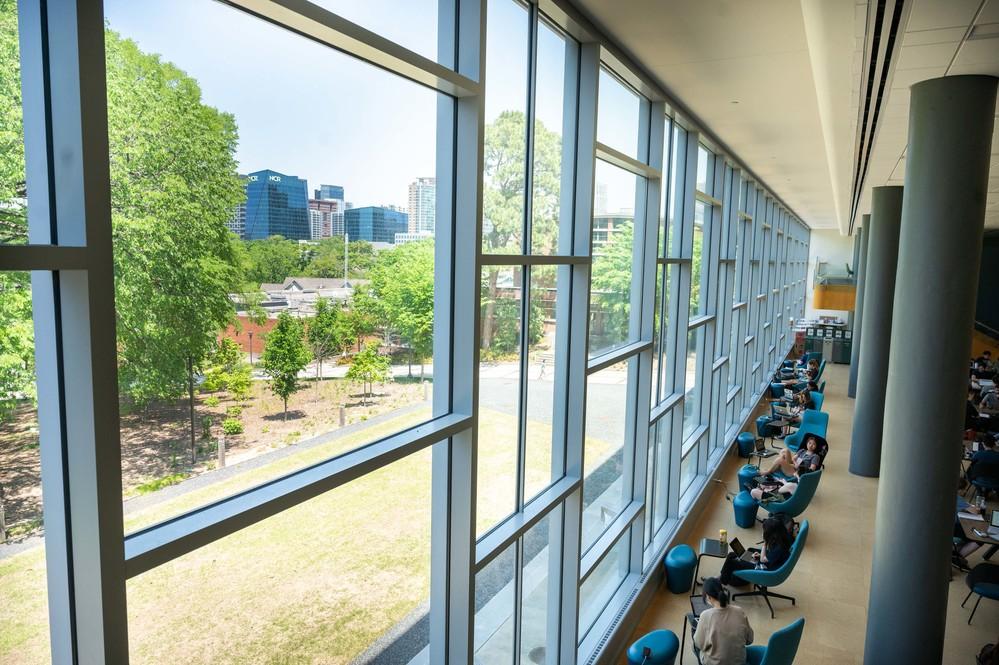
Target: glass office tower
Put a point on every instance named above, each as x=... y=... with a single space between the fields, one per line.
x=375 y=224
x=276 y=204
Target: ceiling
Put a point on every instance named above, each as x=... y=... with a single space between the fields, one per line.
x=779 y=81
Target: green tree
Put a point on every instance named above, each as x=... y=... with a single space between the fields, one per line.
x=611 y=285
x=329 y=332
x=173 y=188
x=368 y=367
x=285 y=355
x=17 y=360
x=225 y=368
x=506 y=324
x=504 y=185
x=273 y=260
x=401 y=295
x=327 y=258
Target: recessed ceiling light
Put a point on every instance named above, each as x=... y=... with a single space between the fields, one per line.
x=735 y=101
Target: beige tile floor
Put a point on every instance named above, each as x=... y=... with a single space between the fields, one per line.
x=832 y=578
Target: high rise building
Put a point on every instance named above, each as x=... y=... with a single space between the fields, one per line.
x=326 y=218
x=422 y=205
x=276 y=204
x=237 y=224
x=375 y=223
x=329 y=193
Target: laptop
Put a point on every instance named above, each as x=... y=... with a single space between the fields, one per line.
x=761 y=449
x=783 y=411
x=995 y=519
x=741 y=551
x=788 y=394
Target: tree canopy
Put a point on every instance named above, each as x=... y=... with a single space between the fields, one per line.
x=329 y=332
x=285 y=355
x=273 y=260
x=369 y=367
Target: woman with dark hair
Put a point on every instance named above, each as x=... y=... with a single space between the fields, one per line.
x=723 y=631
x=776 y=549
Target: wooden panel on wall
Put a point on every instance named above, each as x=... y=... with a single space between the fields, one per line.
x=834 y=296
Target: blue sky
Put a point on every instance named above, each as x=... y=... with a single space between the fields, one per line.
x=304 y=109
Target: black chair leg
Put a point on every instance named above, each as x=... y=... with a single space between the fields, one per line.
x=777 y=595
x=974 y=610
x=966 y=598
x=991 y=552
x=766 y=597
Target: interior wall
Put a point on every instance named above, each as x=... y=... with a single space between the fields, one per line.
x=829 y=246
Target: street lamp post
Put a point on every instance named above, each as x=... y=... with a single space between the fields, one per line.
x=250 y=333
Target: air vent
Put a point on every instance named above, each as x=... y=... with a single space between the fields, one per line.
x=881 y=51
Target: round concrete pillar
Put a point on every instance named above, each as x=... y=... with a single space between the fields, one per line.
x=858 y=308
x=879 y=292
x=946 y=179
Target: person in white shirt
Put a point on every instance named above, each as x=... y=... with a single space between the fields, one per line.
x=723 y=631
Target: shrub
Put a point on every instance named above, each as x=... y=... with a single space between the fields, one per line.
x=211 y=401
x=232 y=426
x=234 y=411
x=206 y=427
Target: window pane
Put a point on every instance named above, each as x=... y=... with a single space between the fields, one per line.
x=688 y=469
x=412 y=24
x=604 y=492
x=504 y=176
x=538 y=590
x=499 y=394
x=554 y=53
x=660 y=503
x=666 y=389
x=613 y=258
x=203 y=184
x=24 y=623
x=692 y=385
x=698 y=304
x=605 y=579
x=495 y=596
x=618 y=115
x=674 y=205
x=340 y=577
x=705 y=170
x=540 y=379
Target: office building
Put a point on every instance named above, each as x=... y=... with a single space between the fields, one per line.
x=276 y=204
x=422 y=205
x=326 y=218
x=554 y=493
x=329 y=193
x=375 y=223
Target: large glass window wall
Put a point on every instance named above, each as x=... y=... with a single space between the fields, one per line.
x=517 y=401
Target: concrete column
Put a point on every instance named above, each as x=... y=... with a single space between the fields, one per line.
x=950 y=132
x=858 y=309
x=879 y=291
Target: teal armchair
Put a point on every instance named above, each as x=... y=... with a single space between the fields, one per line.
x=781 y=649
x=797 y=502
x=762 y=580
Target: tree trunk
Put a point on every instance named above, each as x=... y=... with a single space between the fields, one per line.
x=409 y=363
x=286 y=409
x=487 y=320
x=190 y=394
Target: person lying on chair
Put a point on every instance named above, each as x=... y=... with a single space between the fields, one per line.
x=786 y=464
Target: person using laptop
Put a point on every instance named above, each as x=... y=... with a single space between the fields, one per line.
x=784 y=486
x=723 y=631
x=975 y=420
x=775 y=551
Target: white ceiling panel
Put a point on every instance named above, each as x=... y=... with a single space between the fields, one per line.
x=936 y=14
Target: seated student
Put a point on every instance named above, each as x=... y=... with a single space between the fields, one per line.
x=784 y=486
x=963 y=547
x=810 y=374
x=988 y=453
x=776 y=550
x=723 y=631
x=786 y=463
x=975 y=420
x=983 y=367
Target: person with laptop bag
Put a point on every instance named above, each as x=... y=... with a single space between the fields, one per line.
x=722 y=631
x=776 y=550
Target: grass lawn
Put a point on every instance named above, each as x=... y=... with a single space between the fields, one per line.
x=315 y=584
